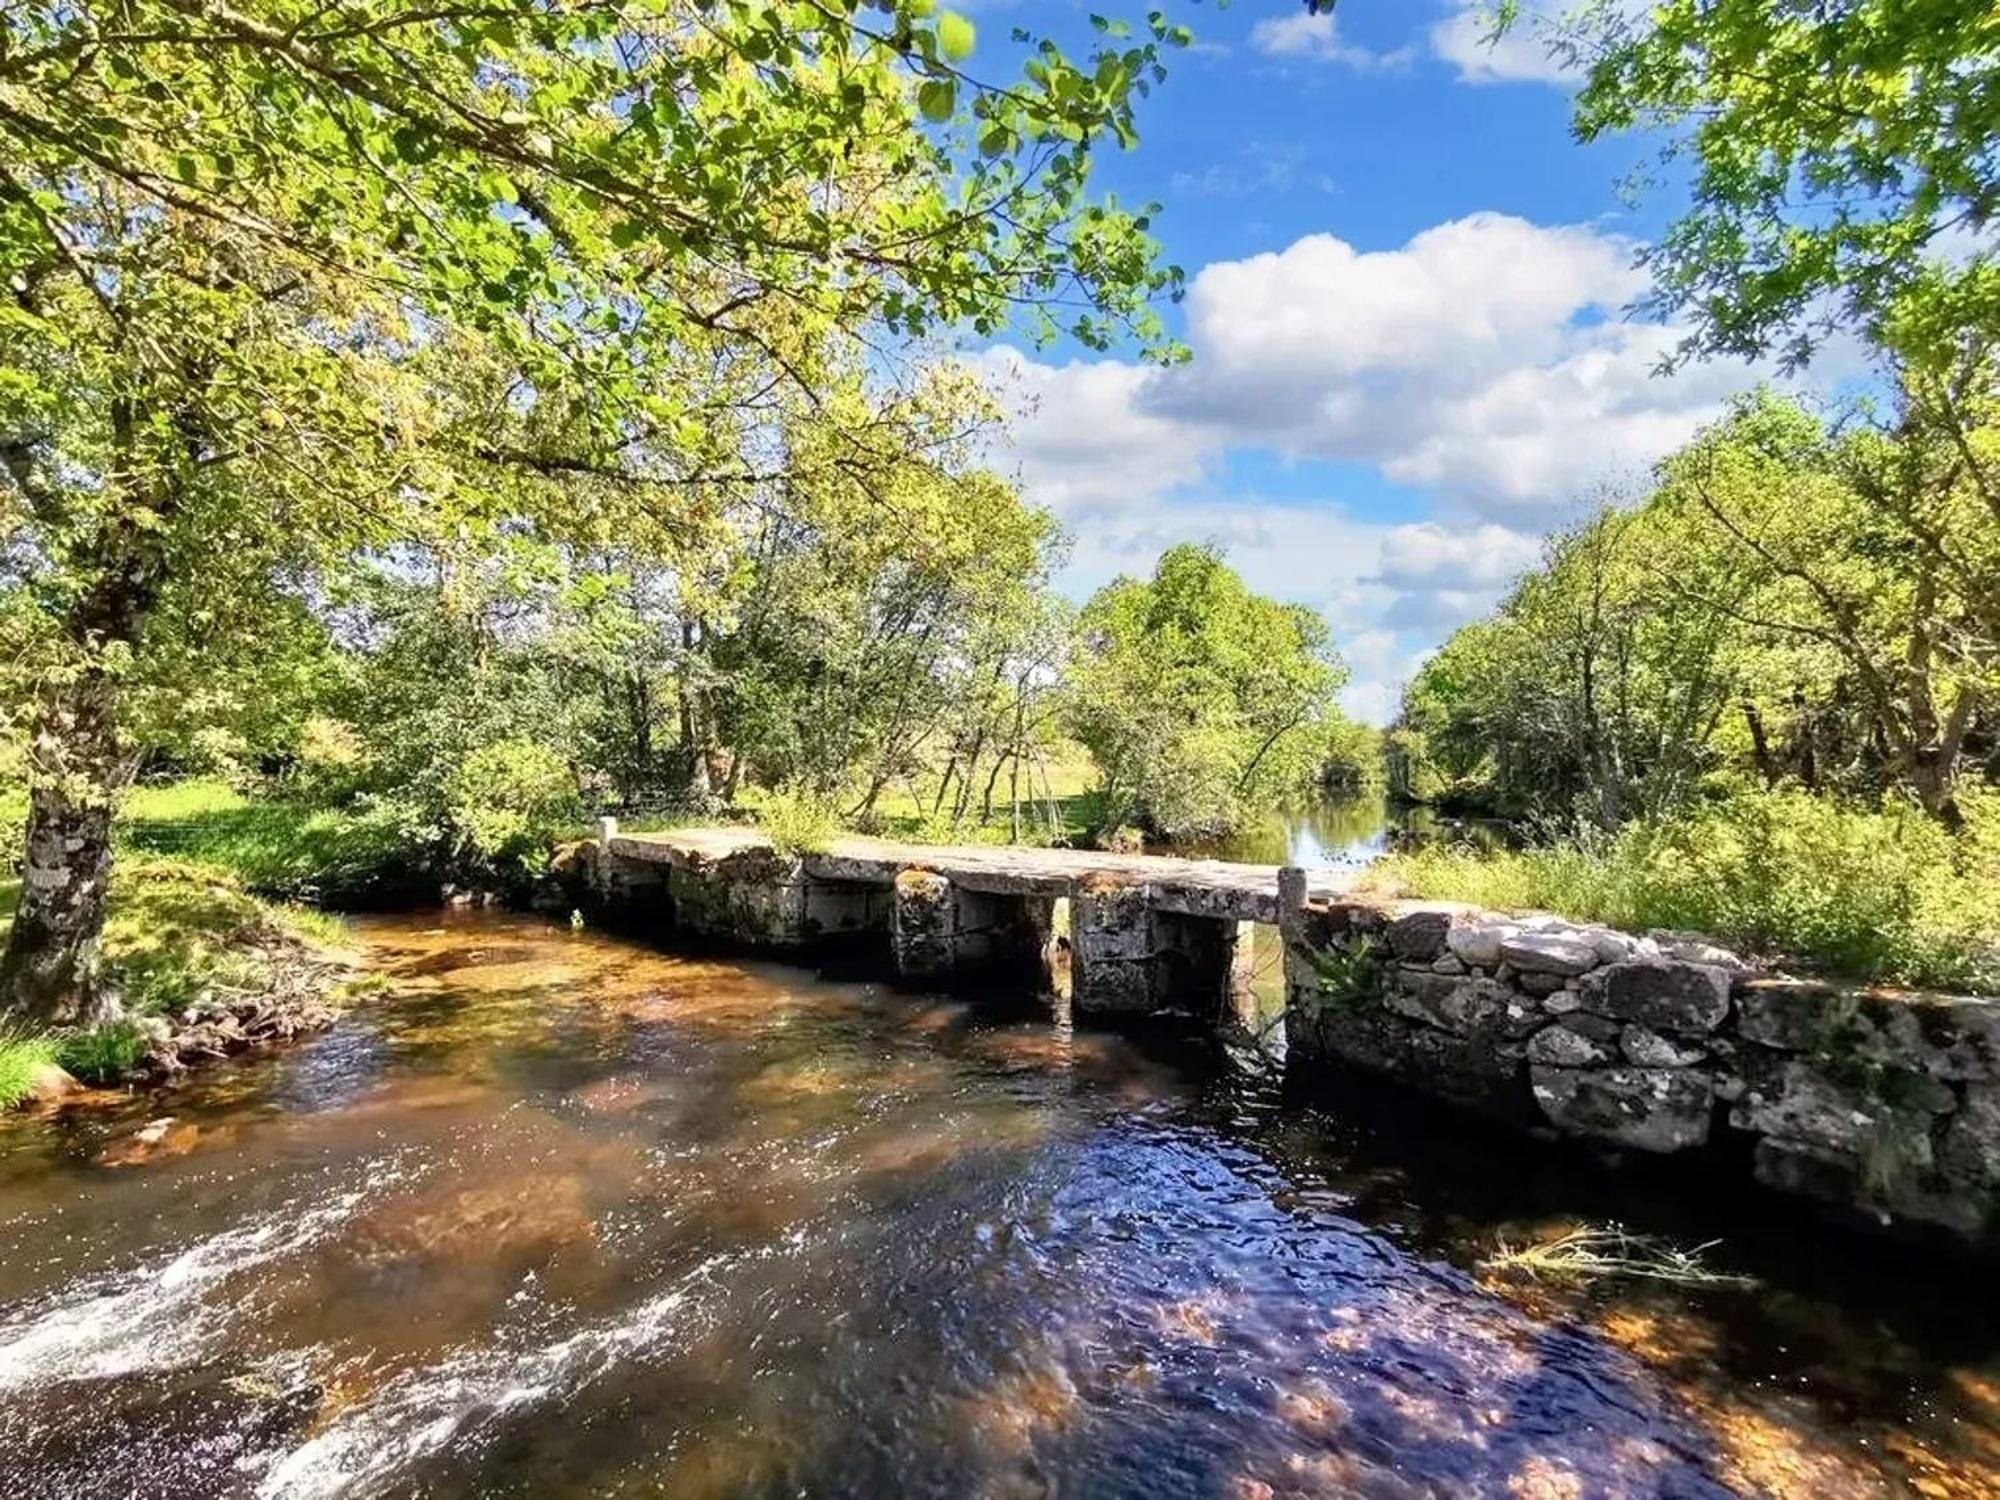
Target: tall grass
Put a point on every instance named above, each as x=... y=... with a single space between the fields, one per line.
x=21 y=1057
x=1874 y=893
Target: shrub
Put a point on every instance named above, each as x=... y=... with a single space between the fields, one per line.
x=798 y=822
x=104 y=1054
x=509 y=802
x=1878 y=893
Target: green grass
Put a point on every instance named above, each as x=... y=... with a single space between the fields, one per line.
x=20 y=1058
x=176 y=932
x=1879 y=894
x=293 y=850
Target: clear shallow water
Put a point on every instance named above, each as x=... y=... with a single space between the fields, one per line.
x=557 y=1215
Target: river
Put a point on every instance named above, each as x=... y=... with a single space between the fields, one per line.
x=553 y=1214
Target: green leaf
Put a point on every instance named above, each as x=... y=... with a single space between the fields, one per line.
x=955 y=36
x=938 y=99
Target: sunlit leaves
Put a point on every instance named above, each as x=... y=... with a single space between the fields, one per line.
x=1837 y=152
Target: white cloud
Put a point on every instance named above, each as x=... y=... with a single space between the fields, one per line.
x=1313 y=37
x=1081 y=435
x=1525 y=52
x=1483 y=361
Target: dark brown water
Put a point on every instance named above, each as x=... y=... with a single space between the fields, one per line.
x=556 y=1216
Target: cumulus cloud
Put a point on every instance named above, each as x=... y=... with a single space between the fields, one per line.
x=1307 y=36
x=1083 y=437
x=1524 y=52
x=1484 y=361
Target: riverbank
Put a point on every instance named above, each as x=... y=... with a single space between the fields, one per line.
x=1873 y=894
x=203 y=970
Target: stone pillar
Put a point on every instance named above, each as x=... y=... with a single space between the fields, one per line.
x=923 y=925
x=1111 y=948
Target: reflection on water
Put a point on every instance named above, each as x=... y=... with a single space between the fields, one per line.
x=560 y=1216
x=1331 y=833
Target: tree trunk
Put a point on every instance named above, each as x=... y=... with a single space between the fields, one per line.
x=51 y=973
x=1760 y=744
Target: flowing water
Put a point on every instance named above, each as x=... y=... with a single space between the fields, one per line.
x=556 y=1215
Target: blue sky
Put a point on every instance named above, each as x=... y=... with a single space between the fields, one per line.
x=1405 y=308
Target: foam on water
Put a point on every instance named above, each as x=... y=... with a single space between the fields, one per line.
x=160 y=1315
x=460 y=1398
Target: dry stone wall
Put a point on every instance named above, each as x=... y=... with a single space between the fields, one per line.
x=1884 y=1104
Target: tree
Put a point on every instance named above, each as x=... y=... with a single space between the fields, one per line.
x=1874 y=547
x=1590 y=695
x=291 y=284
x=1198 y=698
x=1837 y=150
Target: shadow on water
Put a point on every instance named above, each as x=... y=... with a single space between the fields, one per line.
x=557 y=1215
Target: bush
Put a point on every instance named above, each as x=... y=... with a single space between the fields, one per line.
x=104 y=1054
x=798 y=822
x=1877 y=893
x=509 y=802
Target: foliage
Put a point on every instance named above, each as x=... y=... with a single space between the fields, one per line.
x=1879 y=894
x=21 y=1058
x=1198 y=698
x=295 y=295
x=102 y=1054
x=1797 y=603
x=508 y=801
x=798 y=822
x=1835 y=155
x=362 y=853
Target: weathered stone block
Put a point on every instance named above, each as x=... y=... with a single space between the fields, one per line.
x=1861 y=1116
x=1561 y=1046
x=1648 y=1109
x=1794 y=1014
x=1111 y=949
x=1665 y=994
x=1540 y=985
x=1479 y=1070
x=923 y=925
x=1419 y=937
x=1548 y=953
x=1971 y=1147
x=1692 y=948
x=1365 y=1037
x=1892 y=1191
x=1478 y=943
x=1612 y=946
x=1649 y=1049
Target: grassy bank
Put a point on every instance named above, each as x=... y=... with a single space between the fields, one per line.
x=1881 y=894
x=178 y=933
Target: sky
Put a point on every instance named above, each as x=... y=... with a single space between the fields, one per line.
x=1407 y=294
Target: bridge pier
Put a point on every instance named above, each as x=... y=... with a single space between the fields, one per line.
x=940 y=929
x=1131 y=958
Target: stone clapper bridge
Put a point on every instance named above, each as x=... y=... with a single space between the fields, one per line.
x=1145 y=934
x=1884 y=1104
